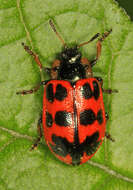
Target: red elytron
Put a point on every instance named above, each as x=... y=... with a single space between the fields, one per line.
x=73 y=119
x=73 y=116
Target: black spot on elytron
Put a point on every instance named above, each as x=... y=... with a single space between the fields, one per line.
x=87 y=117
x=63 y=118
x=100 y=117
x=91 y=143
x=49 y=120
x=86 y=91
x=61 y=92
x=63 y=147
x=96 y=91
x=50 y=93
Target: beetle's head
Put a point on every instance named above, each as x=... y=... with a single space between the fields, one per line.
x=71 y=68
x=70 y=55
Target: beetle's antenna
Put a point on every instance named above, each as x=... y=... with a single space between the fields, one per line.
x=93 y=38
x=58 y=35
x=96 y=36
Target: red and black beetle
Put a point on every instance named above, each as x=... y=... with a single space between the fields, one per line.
x=73 y=115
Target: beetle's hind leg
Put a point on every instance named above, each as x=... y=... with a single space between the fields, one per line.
x=109 y=91
x=40 y=134
x=107 y=135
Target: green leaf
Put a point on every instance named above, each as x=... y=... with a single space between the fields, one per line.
x=77 y=21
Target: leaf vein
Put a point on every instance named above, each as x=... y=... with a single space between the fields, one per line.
x=110 y=171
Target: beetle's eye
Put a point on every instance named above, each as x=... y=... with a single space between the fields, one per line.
x=56 y=68
x=64 y=55
x=47 y=69
x=86 y=66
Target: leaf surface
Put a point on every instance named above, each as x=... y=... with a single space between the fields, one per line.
x=77 y=21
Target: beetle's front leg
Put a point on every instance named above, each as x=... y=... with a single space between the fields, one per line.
x=99 y=47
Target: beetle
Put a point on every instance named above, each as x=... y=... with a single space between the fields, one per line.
x=73 y=117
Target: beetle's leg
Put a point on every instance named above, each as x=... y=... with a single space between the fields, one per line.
x=106 y=116
x=40 y=134
x=35 y=56
x=108 y=91
x=99 y=47
x=24 y=92
x=107 y=135
x=100 y=80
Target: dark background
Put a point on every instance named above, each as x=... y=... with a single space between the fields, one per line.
x=128 y=6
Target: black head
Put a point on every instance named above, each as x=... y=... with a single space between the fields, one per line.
x=70 y=55
x=71 y=68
